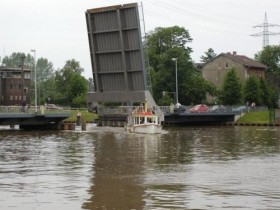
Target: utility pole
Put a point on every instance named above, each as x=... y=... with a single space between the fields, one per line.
x=265 y=33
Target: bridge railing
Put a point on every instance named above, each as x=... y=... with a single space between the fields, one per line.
x=10 y=109
x=115 y=110
x=186 y=109
x=31 y=110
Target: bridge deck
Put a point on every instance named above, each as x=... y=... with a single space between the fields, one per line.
x=32 y=119
x=28 y=119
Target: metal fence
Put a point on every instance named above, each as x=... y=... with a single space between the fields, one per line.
x=185 y=109
x=32 y=110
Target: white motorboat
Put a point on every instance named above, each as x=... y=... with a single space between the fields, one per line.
x=144 y=120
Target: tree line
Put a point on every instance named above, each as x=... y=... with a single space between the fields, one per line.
x=254 y=90
x=67 y=86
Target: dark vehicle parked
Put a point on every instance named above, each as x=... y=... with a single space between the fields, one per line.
x=217 y=108
x=180 y=109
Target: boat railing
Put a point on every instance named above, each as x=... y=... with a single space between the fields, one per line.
x=126 y=110
x=138 y=109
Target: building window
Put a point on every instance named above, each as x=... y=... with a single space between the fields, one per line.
x=27 y=75
x=9 y=74
x=219 y=65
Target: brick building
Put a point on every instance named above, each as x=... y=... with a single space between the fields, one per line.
x=216 y=69
x=14 y=86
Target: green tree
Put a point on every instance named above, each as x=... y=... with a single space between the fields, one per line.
x=78 y=85
x=91 y=84
x=163 y=44
x=166 y=99
x=209 y=55
x=15 y=60
x=270 y=56
x=252 y=91
x=50 y=93
x=274 y=96
x=197 y=88
x=44 y=71
x=231 y=92
x=70 y=83
x=161 y=40
x=265 y=93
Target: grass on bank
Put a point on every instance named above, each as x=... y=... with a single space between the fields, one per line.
x=86 y=116
x=255 y=117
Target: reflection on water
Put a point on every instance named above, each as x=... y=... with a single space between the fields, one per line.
x=107 y=168
x=42 y=170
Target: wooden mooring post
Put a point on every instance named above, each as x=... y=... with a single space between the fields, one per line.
x=67 y=126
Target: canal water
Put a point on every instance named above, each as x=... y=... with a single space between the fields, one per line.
x=107 y=168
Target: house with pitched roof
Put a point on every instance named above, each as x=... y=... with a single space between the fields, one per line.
x=216 y=69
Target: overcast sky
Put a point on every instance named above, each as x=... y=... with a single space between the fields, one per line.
x=57 y=28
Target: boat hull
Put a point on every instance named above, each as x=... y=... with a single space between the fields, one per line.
x=145 y=128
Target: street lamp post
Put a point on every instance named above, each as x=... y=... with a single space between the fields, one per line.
x=22 y=78
x=175 y=59
x=35 y=78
